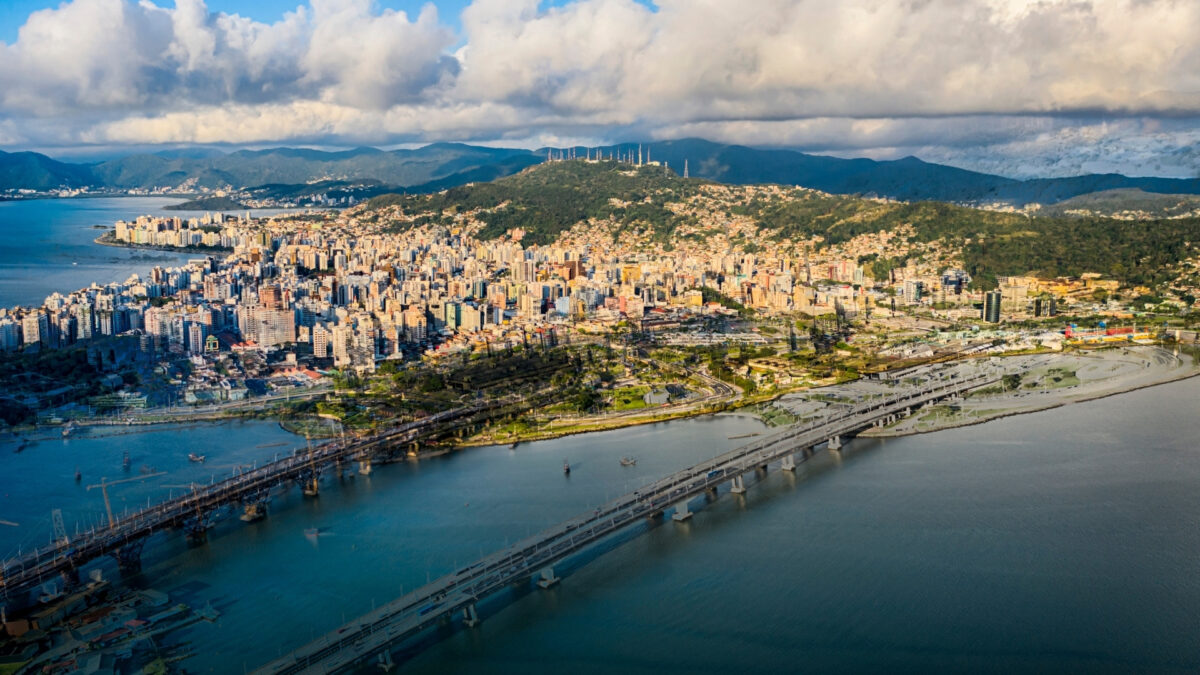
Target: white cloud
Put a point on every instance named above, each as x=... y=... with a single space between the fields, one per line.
x=945 y=78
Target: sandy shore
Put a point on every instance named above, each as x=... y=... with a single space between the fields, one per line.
x=1046 y=381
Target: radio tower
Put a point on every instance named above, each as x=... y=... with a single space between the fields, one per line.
x=685 y=169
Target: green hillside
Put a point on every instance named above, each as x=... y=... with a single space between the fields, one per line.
x=549 y=199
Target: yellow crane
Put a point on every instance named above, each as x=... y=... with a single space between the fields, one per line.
x=104 y=485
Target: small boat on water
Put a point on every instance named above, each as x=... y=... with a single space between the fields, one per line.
x=21 y=447
x=514 y=445
x=193 y=457
x=312 y=531
x=68 y=429
x=566 y=468
x=126 y=462
x=628 y=461
x=78 y=475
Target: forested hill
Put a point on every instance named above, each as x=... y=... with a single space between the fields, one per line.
x=443 y=165
x=549 y=199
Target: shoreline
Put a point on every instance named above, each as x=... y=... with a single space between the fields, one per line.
x=103 y=241
x=870 y=433
x=961 y=419
x=884 y=433
x=614 y=424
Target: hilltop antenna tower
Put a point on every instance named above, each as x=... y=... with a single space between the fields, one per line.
x=685 y=169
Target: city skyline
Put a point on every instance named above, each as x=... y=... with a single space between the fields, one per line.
x=1010 y=87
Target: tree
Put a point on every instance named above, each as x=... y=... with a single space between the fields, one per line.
x=1011 y=381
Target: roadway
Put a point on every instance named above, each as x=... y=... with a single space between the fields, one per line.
x=375 y=634
x=24 y=574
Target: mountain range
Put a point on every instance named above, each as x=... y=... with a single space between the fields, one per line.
x=443 y=165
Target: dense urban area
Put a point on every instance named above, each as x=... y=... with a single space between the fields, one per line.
x=575 y=296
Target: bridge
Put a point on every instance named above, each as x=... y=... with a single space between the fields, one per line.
x=371 y=637
x=196 y=511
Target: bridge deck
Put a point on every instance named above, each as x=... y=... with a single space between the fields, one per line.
x=23 y=574
x=406 y=616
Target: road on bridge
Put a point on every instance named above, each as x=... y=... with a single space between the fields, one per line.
x=375 y=634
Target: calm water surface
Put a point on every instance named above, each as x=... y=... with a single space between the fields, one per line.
x=47 y=245
x=1064 y=541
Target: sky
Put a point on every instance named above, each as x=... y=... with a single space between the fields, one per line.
x=1018 y=87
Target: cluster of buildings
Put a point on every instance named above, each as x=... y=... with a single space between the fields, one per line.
x=355 y=287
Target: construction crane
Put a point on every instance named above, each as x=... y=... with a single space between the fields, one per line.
x=104 y=485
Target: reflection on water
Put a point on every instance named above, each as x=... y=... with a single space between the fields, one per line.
x=1070 y=547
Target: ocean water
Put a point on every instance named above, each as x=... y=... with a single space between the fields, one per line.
x=49 y=245
x=1062 y=541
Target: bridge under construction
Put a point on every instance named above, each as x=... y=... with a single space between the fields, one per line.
x=373 y=637
x=196 y=511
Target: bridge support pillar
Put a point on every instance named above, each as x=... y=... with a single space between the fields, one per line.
x=907 y=412
x=470 y=616
x=547 y=578
x=197 y=534
x=681 y=512
x=835 y=443
x=789 y=463
x=364 y=467
x=129 y=557
x=738 y=485
x=70 y=578
x=253 y=512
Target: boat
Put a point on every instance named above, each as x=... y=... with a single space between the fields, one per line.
x=126 y=462
x=147 y=469
x=514 y=445
x=208 y=614
x=566 y=468
x=628 y=461
x=21 y=447
x=68 y=429
x=78 y=475
x=193 y=457
x=312 y=531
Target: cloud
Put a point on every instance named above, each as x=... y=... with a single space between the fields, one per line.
x=118 y=57
x=946 y=78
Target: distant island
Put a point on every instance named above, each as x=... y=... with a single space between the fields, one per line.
x=208 y=204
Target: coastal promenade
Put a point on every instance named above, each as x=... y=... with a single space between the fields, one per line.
x=374 y=635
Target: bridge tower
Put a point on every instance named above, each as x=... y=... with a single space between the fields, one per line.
x=60 y=530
